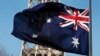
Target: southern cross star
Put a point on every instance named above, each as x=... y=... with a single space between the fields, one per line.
x=49 y=20
x=34 y=35
x=75 y=42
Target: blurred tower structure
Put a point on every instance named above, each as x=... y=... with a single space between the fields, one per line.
x=32 y=3
x=30 y=49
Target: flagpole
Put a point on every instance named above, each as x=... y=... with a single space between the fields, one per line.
x=90 y=26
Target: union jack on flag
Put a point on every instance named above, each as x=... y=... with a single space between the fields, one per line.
x=75 y=17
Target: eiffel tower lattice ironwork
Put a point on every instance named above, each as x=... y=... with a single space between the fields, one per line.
x=30 y=49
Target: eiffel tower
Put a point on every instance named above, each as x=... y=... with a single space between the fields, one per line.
x=30 y=49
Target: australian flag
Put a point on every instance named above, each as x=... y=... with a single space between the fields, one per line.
x=54 y=25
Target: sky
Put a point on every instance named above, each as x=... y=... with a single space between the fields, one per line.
x=8 y=8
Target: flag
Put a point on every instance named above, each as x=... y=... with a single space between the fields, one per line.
x=54 y=25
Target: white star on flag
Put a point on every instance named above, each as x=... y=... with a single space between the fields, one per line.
x=34 y=35
x=49 y=20
x=75 y=42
